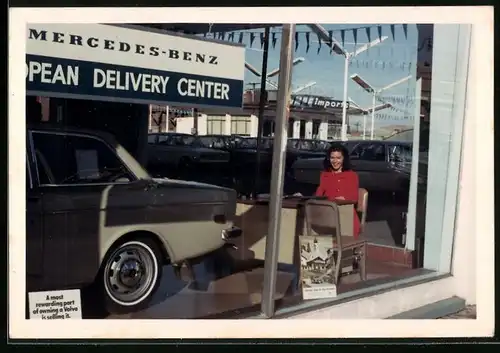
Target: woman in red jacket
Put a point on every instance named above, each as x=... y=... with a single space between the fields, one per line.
x=338 y=181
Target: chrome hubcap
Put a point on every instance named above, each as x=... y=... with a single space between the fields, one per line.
x=129 y=274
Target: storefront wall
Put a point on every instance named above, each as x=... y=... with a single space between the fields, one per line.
x=457 y=244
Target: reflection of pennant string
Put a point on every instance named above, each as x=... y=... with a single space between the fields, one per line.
x=405 y=30
x=393 y=32
x=330 y=37
x=231 y=37
x=296 y=41
x=368 y=34
x=355 y=35
x=262 y=40
x=319 y=42
x=307 y=42
x=240 y=40
x=274 y=40
x=252 y=38
x=342 y=37
x=379 y=32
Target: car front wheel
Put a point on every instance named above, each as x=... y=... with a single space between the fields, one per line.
x=131 y=275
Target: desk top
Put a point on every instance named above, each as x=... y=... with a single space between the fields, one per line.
x=290 y=202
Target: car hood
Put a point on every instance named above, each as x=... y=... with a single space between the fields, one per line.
x=220 y=193
x=310 y=153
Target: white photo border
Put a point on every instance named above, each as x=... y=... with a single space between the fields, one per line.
x=481 y=17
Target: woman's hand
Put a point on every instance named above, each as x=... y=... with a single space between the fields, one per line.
x=297 y=194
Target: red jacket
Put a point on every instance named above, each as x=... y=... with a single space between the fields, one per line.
x=343 y=184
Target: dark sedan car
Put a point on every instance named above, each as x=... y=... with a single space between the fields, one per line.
x=183 y=156
x=95 y=216
x=381 y=165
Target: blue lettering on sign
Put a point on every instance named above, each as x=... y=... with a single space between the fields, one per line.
x=115 y=82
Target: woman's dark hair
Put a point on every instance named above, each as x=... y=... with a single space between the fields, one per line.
x=337 y=147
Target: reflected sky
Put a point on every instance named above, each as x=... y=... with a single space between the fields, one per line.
x=387 y=62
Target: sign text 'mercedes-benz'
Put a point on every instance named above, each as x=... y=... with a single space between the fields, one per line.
x=127 y=64
x=113 y=44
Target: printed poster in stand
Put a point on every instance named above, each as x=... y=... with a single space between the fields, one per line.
x=317 y=267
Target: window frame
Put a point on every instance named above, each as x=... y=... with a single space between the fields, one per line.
x=35 y=164
x=445 y=238
x=31 y=185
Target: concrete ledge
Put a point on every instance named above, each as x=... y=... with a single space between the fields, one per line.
x=434 y=310
x=393 y=300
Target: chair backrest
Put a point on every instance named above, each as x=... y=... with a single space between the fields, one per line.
x=322 y=217
x=362 y=206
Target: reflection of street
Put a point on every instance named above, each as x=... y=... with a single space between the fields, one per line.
x=217 y=290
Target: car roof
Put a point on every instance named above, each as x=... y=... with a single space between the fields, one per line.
x=215 y=135
x=46 y=127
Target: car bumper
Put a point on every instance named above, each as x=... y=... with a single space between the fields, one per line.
x=231 y=233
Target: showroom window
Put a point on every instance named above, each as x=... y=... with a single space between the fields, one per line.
x=407 y=185
x=402 y=204
x=401 y=196
x=409 y=175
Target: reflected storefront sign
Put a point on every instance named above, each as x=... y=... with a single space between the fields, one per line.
x=132 y=64
x=318 y=102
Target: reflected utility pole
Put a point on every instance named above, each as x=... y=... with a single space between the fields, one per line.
x=278 y=171
x=262 y=106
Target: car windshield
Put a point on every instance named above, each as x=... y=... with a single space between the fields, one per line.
x=210 y=142
x=308 y=145
x=251 y=143
x=177 y=140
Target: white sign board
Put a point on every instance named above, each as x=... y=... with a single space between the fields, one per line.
x=132 y=64
x=55 y=305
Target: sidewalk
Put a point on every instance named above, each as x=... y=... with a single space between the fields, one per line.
x=468 y=313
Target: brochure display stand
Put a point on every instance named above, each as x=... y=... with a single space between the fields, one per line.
x=317 y=267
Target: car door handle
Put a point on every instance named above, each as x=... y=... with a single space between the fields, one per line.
x=33 y=198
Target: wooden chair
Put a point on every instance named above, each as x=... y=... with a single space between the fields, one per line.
x=322 y=219
x=362 y=207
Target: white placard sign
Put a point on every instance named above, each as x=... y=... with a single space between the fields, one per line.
x=55 y=305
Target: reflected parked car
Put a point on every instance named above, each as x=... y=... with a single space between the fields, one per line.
x=181 y=155
x=303 y=149
x=244 y=154
x=219 y=142
x=95 y=216
x=381 y=165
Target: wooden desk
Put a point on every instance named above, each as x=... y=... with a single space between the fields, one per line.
x=252 y=216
